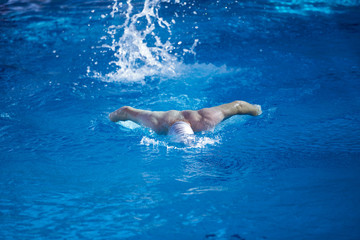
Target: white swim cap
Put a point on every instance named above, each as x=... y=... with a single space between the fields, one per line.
x=180 y=128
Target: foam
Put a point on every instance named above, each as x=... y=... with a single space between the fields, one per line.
x=192 y=142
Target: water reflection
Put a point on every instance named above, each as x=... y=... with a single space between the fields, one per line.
x=23 y=6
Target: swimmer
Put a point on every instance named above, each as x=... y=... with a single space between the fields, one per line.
x=184 y=122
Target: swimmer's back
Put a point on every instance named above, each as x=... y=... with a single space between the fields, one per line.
x=199 y=120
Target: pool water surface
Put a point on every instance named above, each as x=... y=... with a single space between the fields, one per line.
x=67 y=172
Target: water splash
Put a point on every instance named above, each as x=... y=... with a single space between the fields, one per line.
x=193 y=141
x=128 y=125
x=196 y=142
x=143 y=48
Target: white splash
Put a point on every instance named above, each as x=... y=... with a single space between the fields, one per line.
x=144 y=47
x=140 y=51
x=195 y=142
x=128 y=125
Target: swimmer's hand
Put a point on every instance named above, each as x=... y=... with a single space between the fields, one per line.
x=247 y=108
x=258 y=110
x=119 y=115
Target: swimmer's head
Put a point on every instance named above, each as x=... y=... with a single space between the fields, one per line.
x=180 y=128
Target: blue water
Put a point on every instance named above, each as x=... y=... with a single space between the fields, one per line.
x=67 y=172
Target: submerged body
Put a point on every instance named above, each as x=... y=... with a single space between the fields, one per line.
x=199 y=120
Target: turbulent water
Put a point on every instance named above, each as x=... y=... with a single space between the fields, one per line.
x=67 y=172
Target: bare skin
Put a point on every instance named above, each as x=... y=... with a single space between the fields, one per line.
x=199 y=120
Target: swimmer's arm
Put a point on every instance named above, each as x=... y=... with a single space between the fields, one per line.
x=121 y=114
x=142 y=117
x=207 y=118
x=238 y=108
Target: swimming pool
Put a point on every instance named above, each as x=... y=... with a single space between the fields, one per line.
x=67 y=172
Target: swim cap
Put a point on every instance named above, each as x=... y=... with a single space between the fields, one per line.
x=180 y=128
